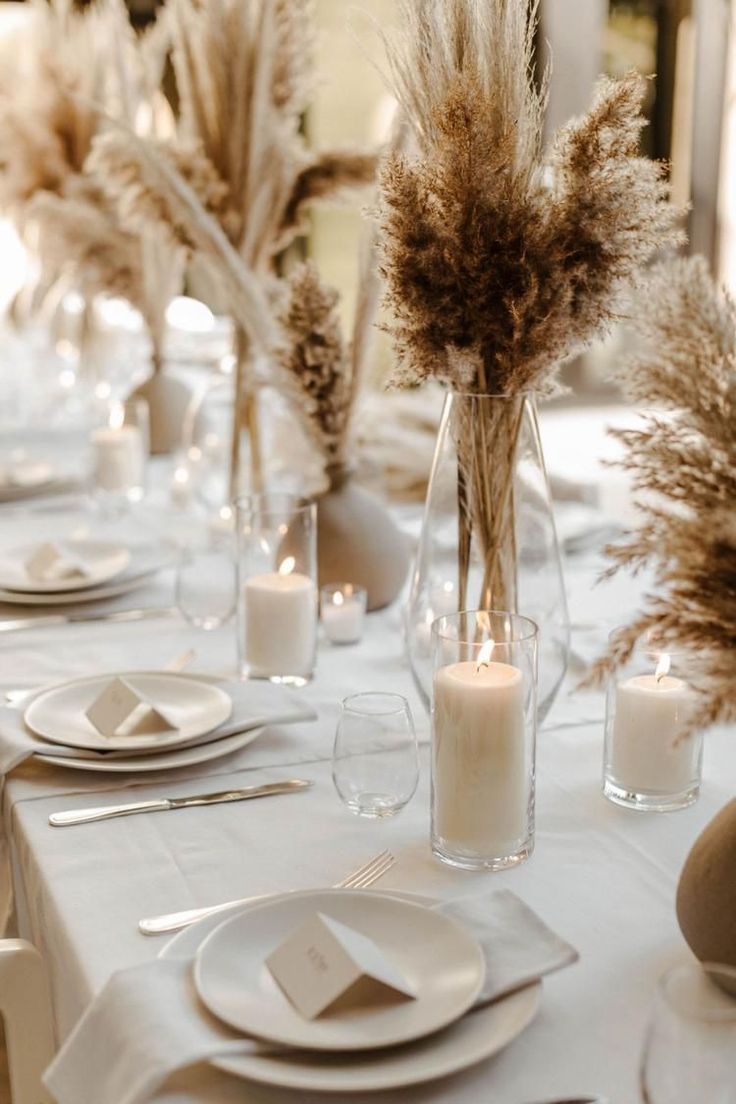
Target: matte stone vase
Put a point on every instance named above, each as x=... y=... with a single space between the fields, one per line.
x=706 y=895
x=168 y=401
x=358 y=541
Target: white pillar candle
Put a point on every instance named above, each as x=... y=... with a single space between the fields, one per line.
x=480 y=778
x=648 y=752
x=342 y=617
x=118 y=455
x=280 y=623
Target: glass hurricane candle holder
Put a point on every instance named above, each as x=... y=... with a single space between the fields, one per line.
x=120 y=449
x=648 y=761
x=342 y=608
x=277 y=589
x=484 y=719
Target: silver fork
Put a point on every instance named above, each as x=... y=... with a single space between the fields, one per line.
x=361 y=878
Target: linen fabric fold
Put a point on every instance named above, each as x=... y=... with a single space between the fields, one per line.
x=148 y=1022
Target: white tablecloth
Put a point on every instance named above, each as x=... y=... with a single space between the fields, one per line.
x=603 y=877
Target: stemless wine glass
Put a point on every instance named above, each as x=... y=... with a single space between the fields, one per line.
x=690 y=1051
x=206 y=581
x=375 y=762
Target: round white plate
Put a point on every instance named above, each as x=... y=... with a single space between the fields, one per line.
x=442 y=963
x=168 y=760
x=145 y=562
x=470 y=1040
x=102 y=561
x=195 y=707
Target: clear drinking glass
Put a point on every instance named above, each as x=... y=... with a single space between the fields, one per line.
x=484 y=724
x=690 y=1050
x=277 y=587
x=648 y=763
x=206 y=582
x=375 y=762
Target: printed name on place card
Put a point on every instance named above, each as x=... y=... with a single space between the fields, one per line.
x=325 y=965
x=119 y=710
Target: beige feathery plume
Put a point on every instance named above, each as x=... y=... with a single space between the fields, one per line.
x=314 y=363
x=244 y=71
x=683 y=463
x=78 y=66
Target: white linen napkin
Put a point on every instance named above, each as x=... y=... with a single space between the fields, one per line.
x=254 y=705
x=148 y=1022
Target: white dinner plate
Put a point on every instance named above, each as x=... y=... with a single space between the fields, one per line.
x=146 y=561
x=476 y=1036
x=167 y=760
x=194 y=707
x=442 y=963
x=102 y=561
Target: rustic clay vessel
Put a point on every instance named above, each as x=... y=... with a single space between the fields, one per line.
x=358 y=541
x=706 y=895
x=168 y=401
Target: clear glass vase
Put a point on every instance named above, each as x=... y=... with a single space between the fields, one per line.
x=488 y=538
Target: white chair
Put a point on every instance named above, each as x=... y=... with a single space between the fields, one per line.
x=26 y=1010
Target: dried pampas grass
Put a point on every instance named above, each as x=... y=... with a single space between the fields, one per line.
x=79 y=68
x=315 y=368
x=244 y=71
x=500 y=263
x=683 y=462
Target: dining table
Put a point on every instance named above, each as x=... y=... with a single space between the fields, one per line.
x=603 y=877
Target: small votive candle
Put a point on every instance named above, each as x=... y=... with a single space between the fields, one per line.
x=649 y=761
x=343 y=606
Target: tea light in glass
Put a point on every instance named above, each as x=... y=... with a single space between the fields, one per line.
x=649 y=762
x=342 y=607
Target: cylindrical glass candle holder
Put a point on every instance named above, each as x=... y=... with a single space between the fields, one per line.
x=484 y=719
x=120 y=450
x=342 y=608
x=648 y=761
x=277 y=589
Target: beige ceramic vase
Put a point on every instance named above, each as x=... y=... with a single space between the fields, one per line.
x=358 y=541
x=168 y=401
x=706 y=895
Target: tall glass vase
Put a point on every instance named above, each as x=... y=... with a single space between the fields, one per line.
x=488 y=539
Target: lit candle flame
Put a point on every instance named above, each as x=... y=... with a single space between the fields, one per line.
x=484 y=656
x=117 y=416
x=287 y=566
x=663 y=667
x=337 y=599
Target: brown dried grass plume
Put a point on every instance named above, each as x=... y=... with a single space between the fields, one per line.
x=500 y=262
x=683 y=464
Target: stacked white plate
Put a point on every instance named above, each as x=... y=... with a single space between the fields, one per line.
x=109 y=569
x=371 y=1048
x=198 y=709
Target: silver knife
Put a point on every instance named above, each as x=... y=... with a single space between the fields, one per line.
x=165 y=804
x=49 y=619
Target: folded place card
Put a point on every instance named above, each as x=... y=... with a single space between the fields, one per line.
x=119 y=710
x=49 y=562
x=327 y=965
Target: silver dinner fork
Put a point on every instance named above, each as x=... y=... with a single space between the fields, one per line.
x=366 y=875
